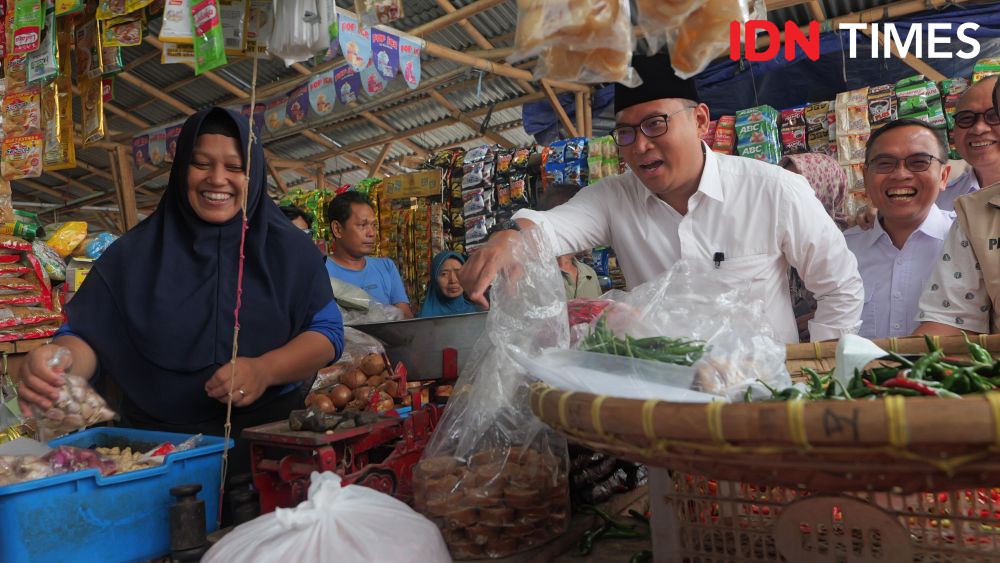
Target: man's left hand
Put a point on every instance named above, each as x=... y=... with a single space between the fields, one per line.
x=249 y=383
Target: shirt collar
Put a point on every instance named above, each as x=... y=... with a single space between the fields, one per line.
x=711 y=182
x=935 y=225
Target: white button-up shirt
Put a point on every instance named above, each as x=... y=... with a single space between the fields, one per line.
x=761 y=217
x=964 y=183
x=895 y=278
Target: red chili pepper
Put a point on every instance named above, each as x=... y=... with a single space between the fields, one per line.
x=910 y=384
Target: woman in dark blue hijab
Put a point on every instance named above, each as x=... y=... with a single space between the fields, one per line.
x=444 y=294
x=155 y=315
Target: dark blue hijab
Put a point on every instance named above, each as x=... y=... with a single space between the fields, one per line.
x=158 y=305
x=437 y=304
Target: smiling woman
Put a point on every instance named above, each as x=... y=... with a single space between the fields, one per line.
x=215 y=177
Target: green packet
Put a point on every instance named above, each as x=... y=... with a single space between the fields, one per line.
x=209 y=40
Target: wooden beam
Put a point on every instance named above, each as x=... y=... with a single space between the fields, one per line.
x=494 y=54
x=72 y=182
x=456 y=16
x=381 y=124
x=442 y=52
x=93 y=170
x=560 y=112
x=156 y=93
x=125 y=188
x=909 y=60
x=277 y=177
x=479 y=38
x=588 y=115
x=581 y=121
x=60 y=196
x=456 y=112
x=215 y=78
x=816 y=11
x=378 y=161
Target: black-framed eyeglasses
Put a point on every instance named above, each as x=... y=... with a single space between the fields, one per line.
x=652 y=126
x=968 y=118
x=914 y=163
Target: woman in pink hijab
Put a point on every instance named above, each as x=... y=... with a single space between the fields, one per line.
x=829 y=182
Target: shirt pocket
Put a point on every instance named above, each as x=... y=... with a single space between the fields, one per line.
x=747 y=273
x=869 y=319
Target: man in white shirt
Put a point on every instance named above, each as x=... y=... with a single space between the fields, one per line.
x=906 y=169
x=681 y=200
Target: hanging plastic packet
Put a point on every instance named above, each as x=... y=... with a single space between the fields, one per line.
x=475 y=175
x=78 y=405
x=54 y=264
x=43 y=63
x=475 y=202
x=68 y=7
x=519 y=191
x=260 y=25
x=22 y=112
x=555 y=171
x=573 y=173
x=28 y=21
x=16 y=71
x=301 y=29
x=6 y=208
x=209 y=42
x=476 y=229
x=705 y=34
x=479 y=154
x=176 y=27
x=656 y=17
x=521 y=157
x=374 y=12
x=122 y=31
x=575 y=149
x=111 y=57
x=234 y=25
x=92 y=104
x=89 y=58
x=108 y=9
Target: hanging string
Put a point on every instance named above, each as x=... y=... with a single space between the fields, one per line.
x=251 y=138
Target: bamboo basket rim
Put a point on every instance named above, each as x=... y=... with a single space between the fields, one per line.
x=940 y=434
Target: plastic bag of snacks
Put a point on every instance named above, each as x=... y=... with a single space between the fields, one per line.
x=580 y=40
x=78 y=405
x=66 y=237
x=705 y=34
x=494 y=477
x=657 y=17
x=53 y=263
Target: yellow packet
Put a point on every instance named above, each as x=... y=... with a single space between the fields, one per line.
x=22 y=157
x=22 y=112
x=16 y=65
x=92 y=104
x=125 y=31
x=89 y=63
x=59 y=153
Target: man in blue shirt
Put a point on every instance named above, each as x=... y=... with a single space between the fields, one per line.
x=352 y=222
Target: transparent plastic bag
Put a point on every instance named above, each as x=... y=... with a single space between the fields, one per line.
x=301 y=29
x=350 y=296
x=493 y=476
x=704 y=36
x=577 y=40
x=342 y=523
x=657 y=17
x=688 y=306
x=78 y=405
x=21 y=468
x=357 y=347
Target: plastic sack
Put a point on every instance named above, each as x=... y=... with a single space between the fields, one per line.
x=66 y=237
x=78 y=405
x=301 y=29
x=657 y=17
x=342 y=523
x=579 y=40
x=350 y=296
x=65 y=459
x=704 y=36
x=21 y=468
x=493 y=476
x=94 y=246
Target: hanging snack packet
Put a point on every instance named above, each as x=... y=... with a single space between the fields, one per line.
x=14 y=270
x=14 y=244
x=704 y=35
x=16 y=70
x=656 y=17
x=43 y=63
x=68 y=7
x=92 y=104
x=53 y=264
x=29 y=19
x=22 y=157
x=209 y=42
x=108 y=9
x=476 y=229
x=22 y=112
x=123 y=31
x=60 y=148
x=111 y=57
x=89 y=63
x=475 y=202
x=6 y=207
x=176 y=26
x=234 y=25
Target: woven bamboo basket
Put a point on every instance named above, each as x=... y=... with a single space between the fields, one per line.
x=894 y=444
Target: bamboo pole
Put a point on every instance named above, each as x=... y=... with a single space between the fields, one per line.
x=461 y=14
x=379 y=161
x=441 y=52
x=125 y=188
x=581 y=120
x=560 y=112
x=588 y=107
x=909 y=60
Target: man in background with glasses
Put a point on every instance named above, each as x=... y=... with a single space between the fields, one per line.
x=743 y=220
x=964 y=289
x=906 y=169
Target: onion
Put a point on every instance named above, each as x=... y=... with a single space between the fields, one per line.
x=375 y=381
x=391 y=387
x=324 y=404
x=372 y=364
x=385 y=402
x=311 y=398
x=354 y=379
x=341 y=395
x=362 y=393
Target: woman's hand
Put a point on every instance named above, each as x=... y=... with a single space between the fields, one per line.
x=38 y=384
x=249 y=384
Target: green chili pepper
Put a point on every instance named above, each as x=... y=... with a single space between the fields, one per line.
x=921 y=365
x=931 y=347
x=898 y=358
x=978 y=353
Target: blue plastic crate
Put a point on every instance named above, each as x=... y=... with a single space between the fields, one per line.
x=83 y=516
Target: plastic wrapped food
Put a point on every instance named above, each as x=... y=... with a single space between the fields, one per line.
x=704 y=35
x=78 y=405
x=494 y=477
x=656 y=17
x=21 y=468
x=67 y=237
x=65 y=459
x=53 y=263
